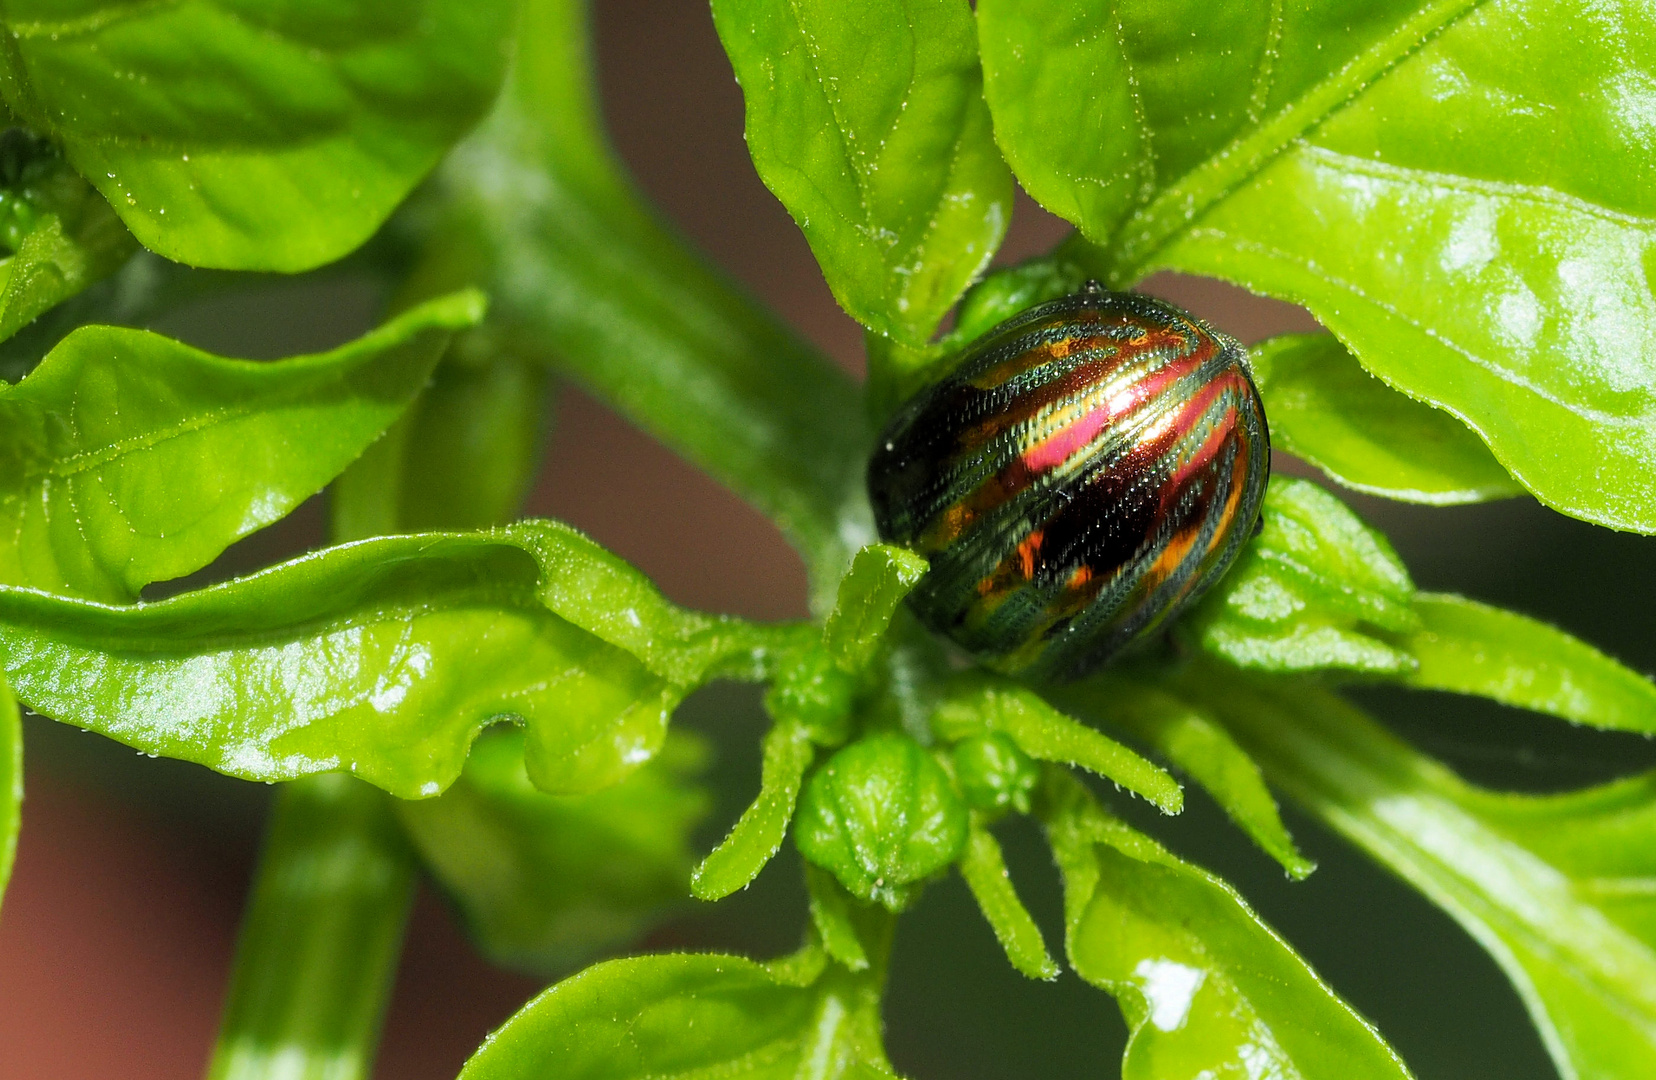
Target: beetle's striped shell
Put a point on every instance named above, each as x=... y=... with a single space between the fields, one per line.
x=1084 y=472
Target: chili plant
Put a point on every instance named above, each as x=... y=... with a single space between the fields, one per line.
x=1461 y=191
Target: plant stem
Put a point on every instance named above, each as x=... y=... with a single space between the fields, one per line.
x=321 y=937
x=541 y=213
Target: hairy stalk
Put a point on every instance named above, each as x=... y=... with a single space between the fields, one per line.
x=321 y=938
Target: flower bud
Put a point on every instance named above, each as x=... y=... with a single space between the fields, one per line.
x=881 y=815
x=993 y=774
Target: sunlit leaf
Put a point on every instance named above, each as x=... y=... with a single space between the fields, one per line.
x=545 y=880
x=249 y=136
x=385 y=658
x=867 y=121
x=689 y=1015
x=1326 y=409
x=1379 y=165
x=1207 y=989
x=1317 y=588
x=132 y=458
x=1561 y=889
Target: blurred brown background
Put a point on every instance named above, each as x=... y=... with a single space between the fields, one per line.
x=117 y=932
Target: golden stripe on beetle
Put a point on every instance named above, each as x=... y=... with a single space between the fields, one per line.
x=1085 y=471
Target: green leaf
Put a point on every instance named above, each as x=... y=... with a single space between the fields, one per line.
x=1207 y=989
x=1005 y=292
x=463 y=456
x=318 y=949
x=880 y=576
x=692 y=1015
x=867 y=120
x=11 y=782
x=537 y=209
x=134 y=458
x=984 y=869
x=759 y=832
x=979 y=705
x=1326 y=409
x=248 y=136
x=1315 y=589
x=1192 y=740
x=57 y=233
x=385 y=658
x=1558 y=888
x=545 y=881
x=1470 y=648
x=1378 y=165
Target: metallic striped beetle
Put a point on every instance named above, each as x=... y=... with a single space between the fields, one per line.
x=1088 y=468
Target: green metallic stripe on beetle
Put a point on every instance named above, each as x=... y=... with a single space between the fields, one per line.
x=1083 y=473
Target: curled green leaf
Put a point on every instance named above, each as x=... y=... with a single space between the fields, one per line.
x=759 y=832
x=1326 y=409
x=694 y=1015
x=984 y=869
x=545 y=881
x=254 y=137
x=880 y=576
x=1317 y=588
x=868 y=122
x=102 y=438
x=1470 y=648
x=1195 y=742
x=385 y=658
x=1557 y=887
x=979 y=705
x=1205 y=986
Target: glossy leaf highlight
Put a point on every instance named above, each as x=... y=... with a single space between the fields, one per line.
x=1317 y=588
x=385 y=658
x=693 y=1015
x=868 y=122
x=1204 y=985
x=135 y=458
x=545 y=881
x=1326 y=409
x=1556 y=887
x=254 y=137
